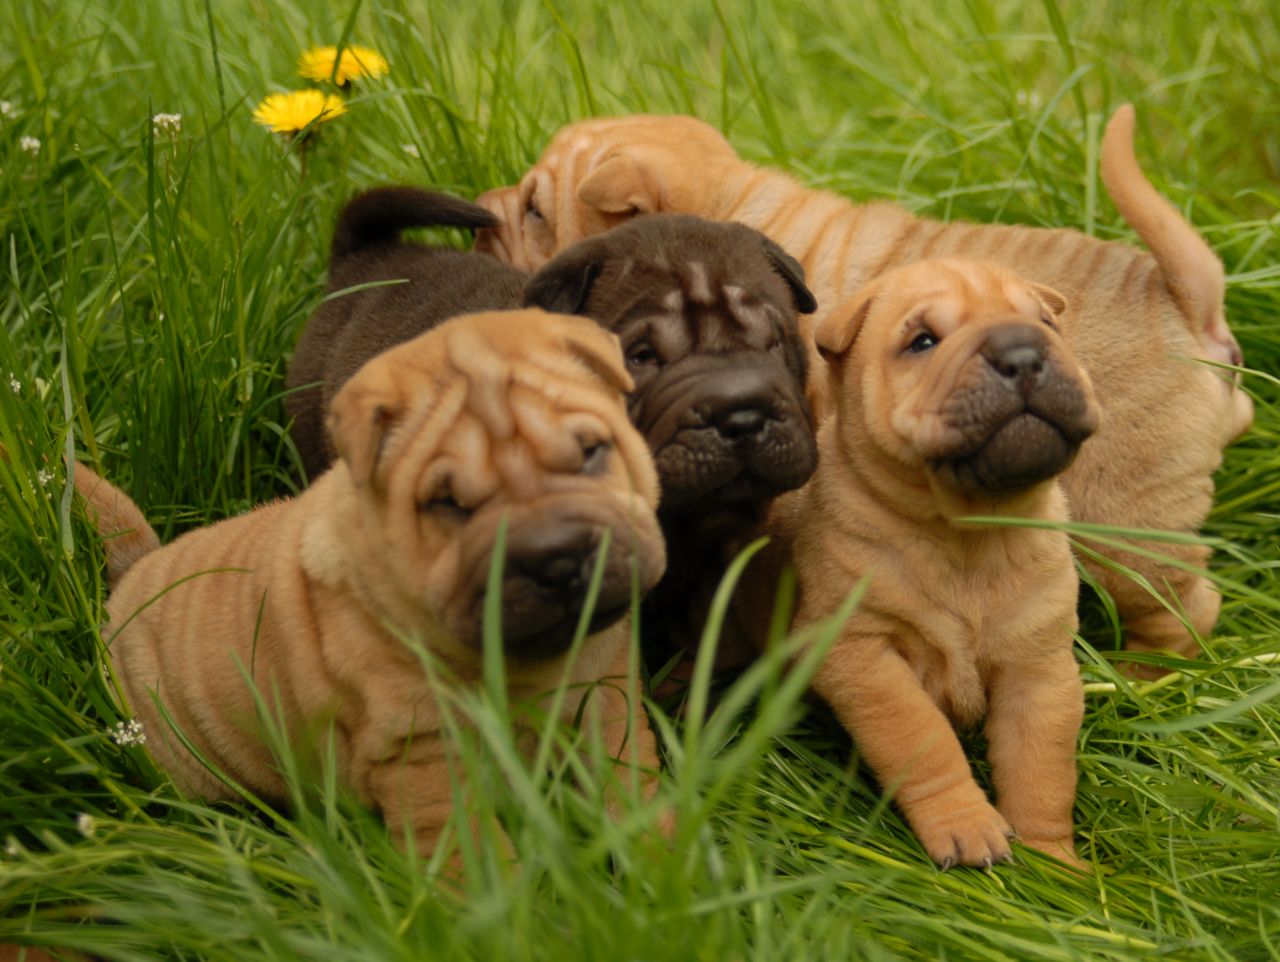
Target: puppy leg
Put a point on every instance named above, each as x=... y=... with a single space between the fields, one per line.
x=1033 y=720
x=914 y=752
x=1148 y=624
x=413 y=791
x=615 y=706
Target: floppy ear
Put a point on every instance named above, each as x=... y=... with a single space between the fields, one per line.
x=564 y=285
x=361 y=415
x=1050 y=298
x=601 y=352
x=793 y=274
x=836 y=332
x=620 y=186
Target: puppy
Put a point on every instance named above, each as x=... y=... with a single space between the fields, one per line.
x=491 y=419
x=421 y=287
x=958 y=397
x=1138 y=323
x=707 y=314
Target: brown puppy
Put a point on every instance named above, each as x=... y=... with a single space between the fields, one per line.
x=421 y=286
x=958 y=397
x=515 y=416
x=1139 y=324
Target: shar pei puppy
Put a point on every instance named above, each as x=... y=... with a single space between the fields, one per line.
x=958 y=397
x=326 y=603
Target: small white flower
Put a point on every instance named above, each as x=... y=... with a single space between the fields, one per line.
x=11 y=847
x=30 y=144
x=6 y=108
x=44 y=476
x=86 y=824
x=1029 y=98
x=129 y=733
x=14 y=384
x=411 y=150
x=167 y=123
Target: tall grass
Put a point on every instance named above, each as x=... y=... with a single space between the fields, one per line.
x=152 y=289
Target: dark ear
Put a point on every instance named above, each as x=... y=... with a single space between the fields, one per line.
x=564 y=285
x=793 y=274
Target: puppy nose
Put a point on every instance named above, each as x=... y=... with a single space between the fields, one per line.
x=555 y=556
x=740 y=422
x=1016 y=352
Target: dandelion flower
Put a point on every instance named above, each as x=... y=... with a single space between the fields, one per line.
x=356 y=63
x=30 y=144
x=292 y=112
x=86 y=824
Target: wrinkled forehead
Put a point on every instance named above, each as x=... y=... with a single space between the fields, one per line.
x=950 y=299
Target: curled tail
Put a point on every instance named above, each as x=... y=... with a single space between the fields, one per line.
x=1192 y=272
x=125 y=532
x=379 y=215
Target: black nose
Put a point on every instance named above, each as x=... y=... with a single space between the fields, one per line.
x=1016 y=352
x=740 y=422
x=556 y=556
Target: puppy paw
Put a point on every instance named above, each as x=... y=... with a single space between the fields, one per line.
x=1063 y=849
x=973 y=834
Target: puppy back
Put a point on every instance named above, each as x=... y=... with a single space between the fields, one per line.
x=378 y=215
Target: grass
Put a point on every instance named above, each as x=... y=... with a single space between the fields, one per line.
x=153 y=286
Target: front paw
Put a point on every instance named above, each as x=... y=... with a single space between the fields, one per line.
x=973 y=834
x=1063 y=849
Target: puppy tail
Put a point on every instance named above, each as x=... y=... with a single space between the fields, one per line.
x=379 y=215
x=125 y=532
x=1192 y=272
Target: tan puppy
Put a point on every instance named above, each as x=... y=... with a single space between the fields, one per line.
x=1139 y=324
x=515 y=415
x=958 y=398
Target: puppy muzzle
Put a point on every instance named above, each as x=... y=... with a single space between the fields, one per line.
x=1018 y=416
x=725 y=430
x=551 y=558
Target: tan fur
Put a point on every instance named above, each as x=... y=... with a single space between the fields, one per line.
x=310 y=597
x=959 y=622
x=1139 y=324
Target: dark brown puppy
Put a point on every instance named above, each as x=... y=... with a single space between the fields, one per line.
x=706 y=313
x=428 y=285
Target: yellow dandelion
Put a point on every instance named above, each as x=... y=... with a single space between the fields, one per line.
x=355 y=64
x=292 y=112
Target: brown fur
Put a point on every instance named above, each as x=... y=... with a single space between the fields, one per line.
x=958 y=622
x=1138 y=323
x=487 y=417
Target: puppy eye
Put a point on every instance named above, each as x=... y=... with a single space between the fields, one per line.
x=1048 y=319
x=594 y=456
x=642 y=353
x=531 y=209
x=924 y=341
x=444 y=501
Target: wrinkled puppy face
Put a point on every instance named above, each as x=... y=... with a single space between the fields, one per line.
x=706 y=314
x=958 y=368
x=598 y=173
x=517 y=415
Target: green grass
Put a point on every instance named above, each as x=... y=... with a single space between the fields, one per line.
x=153 y=286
